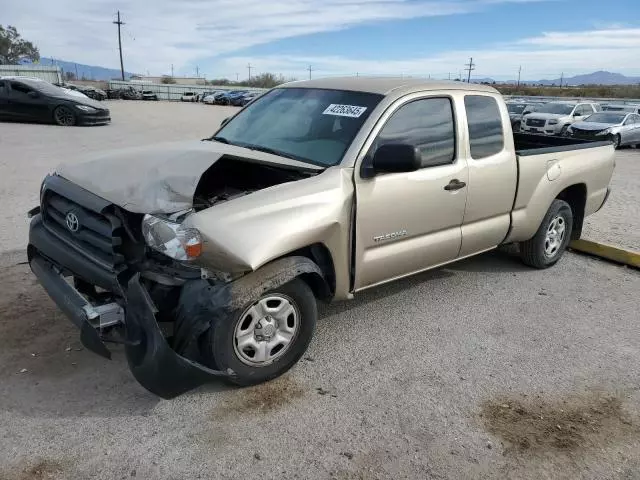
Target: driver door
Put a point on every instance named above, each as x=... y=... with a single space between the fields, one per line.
x=22 y=105
x=408 y=222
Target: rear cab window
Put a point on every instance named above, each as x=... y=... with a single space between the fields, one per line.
x=484 y=120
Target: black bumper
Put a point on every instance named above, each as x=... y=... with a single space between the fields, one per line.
x=99 y=118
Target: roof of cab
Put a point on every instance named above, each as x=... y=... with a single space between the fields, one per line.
x=386 y=85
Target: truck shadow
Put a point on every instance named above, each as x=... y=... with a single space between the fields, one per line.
x=504 y=260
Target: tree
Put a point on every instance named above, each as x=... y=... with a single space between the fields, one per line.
x=13 y=48
x=69 y=76
x=167 y=80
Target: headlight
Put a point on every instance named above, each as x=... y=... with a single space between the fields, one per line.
x=604 y=132
x=553 y=122
x=171 y=238
x=86 y=108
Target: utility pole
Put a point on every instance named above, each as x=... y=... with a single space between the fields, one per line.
x=519 y=71
x=197 y=72
x=449 y=75
x=76 y=65
x=120 y=23
x=561 y=79
x=237 y=77
x=249 y=67
x=309 y=72
x=172 y=70
x=471 y=66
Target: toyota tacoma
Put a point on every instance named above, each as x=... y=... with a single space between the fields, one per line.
x=205 y=259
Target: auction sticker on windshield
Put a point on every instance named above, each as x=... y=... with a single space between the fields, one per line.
x=344 y=110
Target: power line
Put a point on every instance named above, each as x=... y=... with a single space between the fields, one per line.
x=120 y=23
x=469 y=67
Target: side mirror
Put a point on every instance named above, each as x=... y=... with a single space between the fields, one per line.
x=33 y=94
x=394 y=158
x=225 y=121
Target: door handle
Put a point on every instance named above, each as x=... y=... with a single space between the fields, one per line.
x=454 y=184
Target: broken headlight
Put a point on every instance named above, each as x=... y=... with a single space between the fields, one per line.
x=172 y=239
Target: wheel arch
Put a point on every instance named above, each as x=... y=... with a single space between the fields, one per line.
x=576 y=196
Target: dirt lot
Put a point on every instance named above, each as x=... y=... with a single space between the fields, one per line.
x=483 y=369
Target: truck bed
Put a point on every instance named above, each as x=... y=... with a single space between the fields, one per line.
x=532 y=144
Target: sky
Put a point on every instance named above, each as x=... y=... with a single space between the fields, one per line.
x=220 y=38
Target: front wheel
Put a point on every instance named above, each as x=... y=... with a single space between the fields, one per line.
x=266 y=338
x=551 y=240
x=564 y=130
x=616 y=140
x=64 y=116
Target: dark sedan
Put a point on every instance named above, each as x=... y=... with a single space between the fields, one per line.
x=36 y=100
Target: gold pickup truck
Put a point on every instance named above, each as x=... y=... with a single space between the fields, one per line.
x=205 y=259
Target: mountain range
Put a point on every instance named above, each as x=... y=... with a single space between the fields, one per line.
x=91 y=72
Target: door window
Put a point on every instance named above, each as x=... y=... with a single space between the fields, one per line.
x=426 y=124
x=20 y=88
x=486 y=135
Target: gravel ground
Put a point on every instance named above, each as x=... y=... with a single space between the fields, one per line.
x=618 y=223
x=483 y=369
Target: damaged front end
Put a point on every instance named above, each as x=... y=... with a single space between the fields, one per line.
x=121 y=291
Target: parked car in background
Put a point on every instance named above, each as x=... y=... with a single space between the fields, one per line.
x=517 y=110
x=37 y=100
x=554 y=118
x=189 y=97
x=611 y=107
x=210 y=98
x=621 y=128
x=149 y=95
x=130 y=93
x=206 y=94
x=248 y=98
x=227 y=98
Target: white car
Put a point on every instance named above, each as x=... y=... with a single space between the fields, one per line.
x=189 y=97
x=554 y=118
x=211 y=98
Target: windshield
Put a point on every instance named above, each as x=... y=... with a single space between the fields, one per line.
x=515 y=107
x=606 y=117
x=311 y=125
x=558 y=108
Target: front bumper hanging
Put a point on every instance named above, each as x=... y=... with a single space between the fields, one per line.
x=155 y=365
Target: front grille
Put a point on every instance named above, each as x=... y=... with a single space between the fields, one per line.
x=97 y=235
x=535 y=122
x=584 y=134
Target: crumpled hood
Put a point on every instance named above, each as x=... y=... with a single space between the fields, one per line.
x=546 y=116
x=591 y=126
x=158 y=179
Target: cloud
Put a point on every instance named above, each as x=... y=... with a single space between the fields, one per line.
x=181 y=33
x=545 y=56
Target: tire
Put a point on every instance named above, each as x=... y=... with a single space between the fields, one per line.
x=563 y=131
x=616 y=140
x=540 y=251
x=220 y=350
x=64 y=116
x=516 y=126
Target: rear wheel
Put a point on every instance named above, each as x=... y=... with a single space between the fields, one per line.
x=64 y=116
x=266 y=337
x=564 y=130
x=516 y=126
x=550 y=241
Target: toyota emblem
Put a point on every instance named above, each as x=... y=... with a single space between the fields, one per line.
x=72 y=222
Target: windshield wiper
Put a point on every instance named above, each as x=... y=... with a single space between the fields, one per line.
x=218 y=139
x=272 y=151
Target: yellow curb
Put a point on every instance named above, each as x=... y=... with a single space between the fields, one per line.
x=608 y=252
